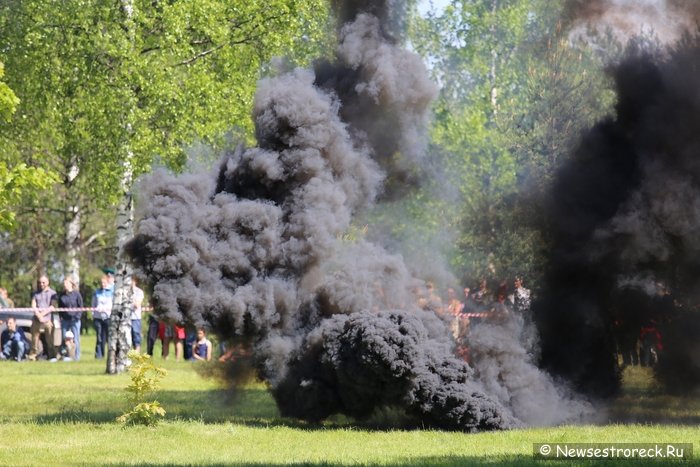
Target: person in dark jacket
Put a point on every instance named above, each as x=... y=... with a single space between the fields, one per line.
x=70 y=320
x=13 y=343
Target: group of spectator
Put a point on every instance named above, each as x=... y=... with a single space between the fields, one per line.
x=190 y=344
x=474 y=306
x=479 y=302
x=64 y=310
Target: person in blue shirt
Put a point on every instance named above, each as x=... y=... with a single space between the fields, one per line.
x=201 y=349
x=102 y=300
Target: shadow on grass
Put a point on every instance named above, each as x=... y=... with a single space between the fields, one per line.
x=640 y=402
x=516 y=460
x=643 y=400
x=251 y=407
x=213 y=406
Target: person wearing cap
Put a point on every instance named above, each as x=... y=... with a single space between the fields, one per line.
x=109 y=272
x=70 y=320
x=69 y=347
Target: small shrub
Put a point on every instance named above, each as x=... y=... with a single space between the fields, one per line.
x=145 y=377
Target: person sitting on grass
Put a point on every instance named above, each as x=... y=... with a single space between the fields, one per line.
x=14 y=343
x=201 y=350
x=69 y=347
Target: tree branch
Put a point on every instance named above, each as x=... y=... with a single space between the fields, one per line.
x=199 y=55
x=93 y=238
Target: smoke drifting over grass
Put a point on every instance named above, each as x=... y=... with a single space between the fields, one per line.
x=256 y=252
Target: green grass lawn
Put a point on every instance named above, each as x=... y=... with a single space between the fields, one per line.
x=64 y=414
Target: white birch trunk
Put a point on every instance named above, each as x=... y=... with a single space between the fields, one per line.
x=73 y=227
x=494 y=62
x=119 y=340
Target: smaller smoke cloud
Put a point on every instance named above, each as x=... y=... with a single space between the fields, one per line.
x=668 y=20
x=504 y=355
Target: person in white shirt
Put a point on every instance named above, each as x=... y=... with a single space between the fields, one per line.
x=137 y=298
x=102 y=300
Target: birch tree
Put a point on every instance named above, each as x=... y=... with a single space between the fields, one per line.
x=109 y=88
x=514 y=96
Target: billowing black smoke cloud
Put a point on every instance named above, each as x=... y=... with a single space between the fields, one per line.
x=624 y=222
x=256 y=253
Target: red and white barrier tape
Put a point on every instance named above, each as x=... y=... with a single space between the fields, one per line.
x=150 y=308
x=55 y=310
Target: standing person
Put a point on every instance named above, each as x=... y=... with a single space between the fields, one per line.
x=480 y=297
x=172 y=333
x=434 y=300
x=70 y=320
x=109 y=272
x=102 y=300
x=499 y=308
x=152 y=334
x=521 y=297
x=4 y=299
x=454 y=310
x=43 y=303
x=202 y=348
x=137 y=297
x=650 y=344
x=468 y=305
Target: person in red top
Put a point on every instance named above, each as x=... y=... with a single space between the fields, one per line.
x=167 y=333
x=651 y=345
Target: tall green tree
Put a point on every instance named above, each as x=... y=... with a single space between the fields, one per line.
x=17 y=180
x=514 y=95
x=109 y=88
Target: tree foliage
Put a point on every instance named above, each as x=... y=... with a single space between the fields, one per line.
x=18 y=181
x=8 y=100
x=183 y=73
x=514 y=96
x=145 y=380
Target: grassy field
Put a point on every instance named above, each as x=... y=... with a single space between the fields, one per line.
x=63 y=414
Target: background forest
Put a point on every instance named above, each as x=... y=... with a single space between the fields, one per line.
x=94 y=94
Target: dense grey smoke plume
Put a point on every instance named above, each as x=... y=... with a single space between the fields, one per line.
x=256 y=252
x=625 y=221
x=391 y=15
x=668 y=20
